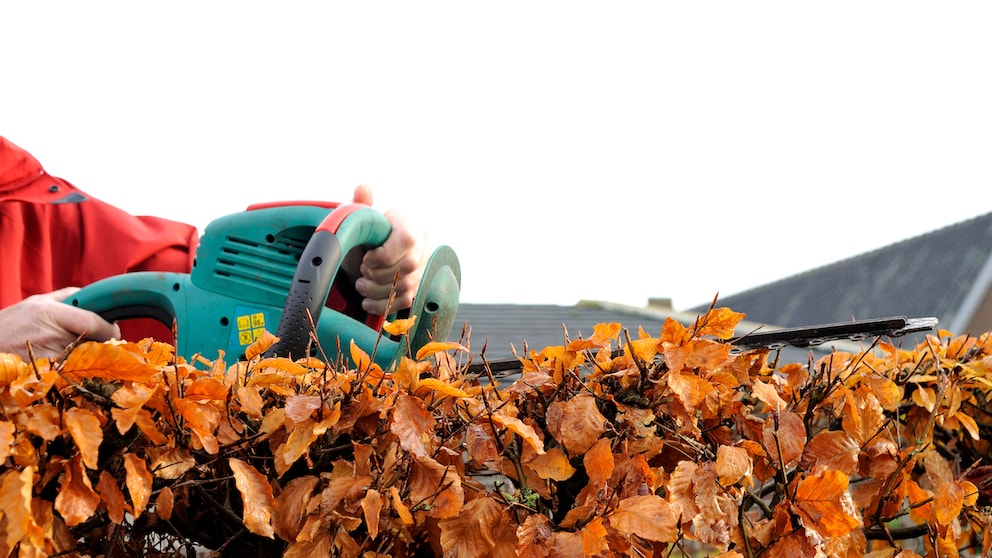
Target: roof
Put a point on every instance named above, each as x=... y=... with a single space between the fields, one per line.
x=944 y=274
x=497 y=327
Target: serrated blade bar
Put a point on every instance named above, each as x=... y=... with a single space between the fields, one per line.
x=857 y=330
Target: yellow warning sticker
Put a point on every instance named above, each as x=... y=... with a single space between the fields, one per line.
x=250 y=327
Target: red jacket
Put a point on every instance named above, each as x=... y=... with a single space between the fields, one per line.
x=53 y=235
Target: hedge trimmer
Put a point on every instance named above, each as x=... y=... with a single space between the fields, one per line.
x=280 y=264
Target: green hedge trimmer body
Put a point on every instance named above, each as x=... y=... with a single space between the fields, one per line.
x=278 y=267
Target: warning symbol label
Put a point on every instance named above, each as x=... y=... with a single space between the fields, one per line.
x=250 y=327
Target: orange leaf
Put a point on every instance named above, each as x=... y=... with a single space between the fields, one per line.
x=690 y=388
x=444 y=388
x=864 y=415
x=15 y=501
x=256 y=494
x=301 y=437
x=301 y=407
x=413 y=425
x=768 y=394
x=789 y=438
x=101 y=360
x=436 y=485
x=593 y=536
x=112 y=497
x=948 y=500
x=649 y=517
x=719 y=322
x=406 y=518
x=11 y=368
x=521 y=429
x=399 y=327
x=825 y=505
x=832 y=449
x=76 y=501
x=599 y=463
x=371 y=507
x=171 y=463
x=6 y=439
x=291 y=506
x=602 y=334
x=164 y=503
x=434 y=347
x=43 y=421
x=251 y=401
x=552 y=465
x=361 y=359
x=577 y=423
x=262 y=344
x=732 y=464
x=470 y=533
x=206 y=389
x=139 y=482
x=131 y=398
x=84 y=427
x=148 y=427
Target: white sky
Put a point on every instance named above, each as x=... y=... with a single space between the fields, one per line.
x=565 y=150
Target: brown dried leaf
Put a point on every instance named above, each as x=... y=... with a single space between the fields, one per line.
x=434 y=347
x=256 y=494
x=7 y=430
x=301 y=407
x=719 y=322
x=84 y=427
x=138 y=481
x=948 y=500
x=291 y=506
x=577 y=423
x=170 y=463
x=15 y=501
x=552 y=465
x=406 y=518
x=789 y=437
x=437 y=485
x=732 y=464
x=164 y=503
x=104 y=360
x=649 y=517
x=599 y=463
x=371 y=508
x=518 y=427
x=413 y=425
x=112 y=497
x=831 y=449
x=76 y=501
x=824 y=504
x=470 y=534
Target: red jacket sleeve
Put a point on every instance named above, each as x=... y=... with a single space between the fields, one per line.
x=53 y=235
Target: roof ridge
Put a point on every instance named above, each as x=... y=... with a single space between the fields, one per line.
x=861 y=255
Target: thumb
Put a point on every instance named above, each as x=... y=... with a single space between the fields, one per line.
x=363 y=195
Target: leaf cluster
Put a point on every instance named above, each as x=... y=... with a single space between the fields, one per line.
x=604 y=446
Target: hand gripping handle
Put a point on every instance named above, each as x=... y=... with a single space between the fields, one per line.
x=347 y=227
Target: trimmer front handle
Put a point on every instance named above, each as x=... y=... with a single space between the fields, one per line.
x=347 y=227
